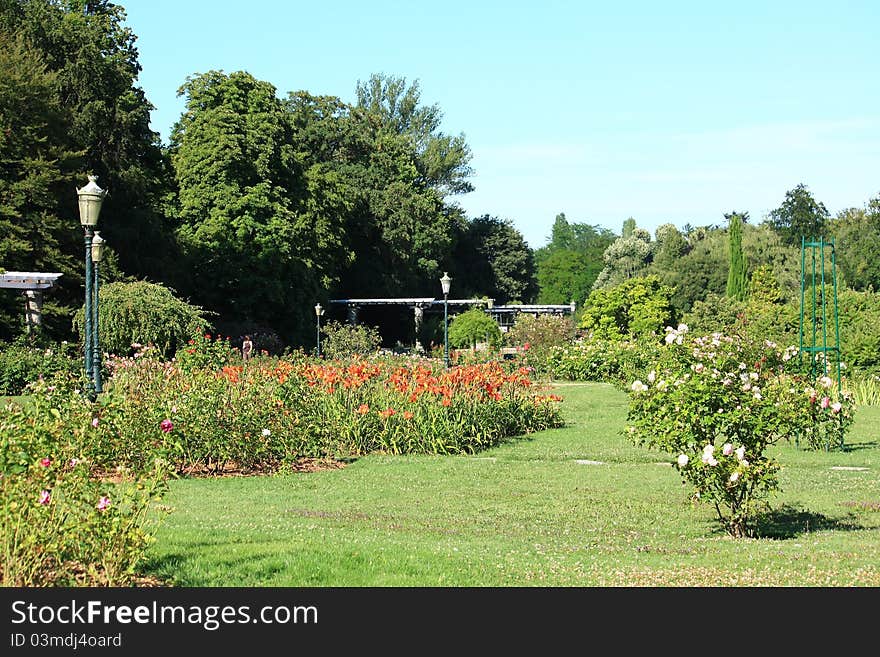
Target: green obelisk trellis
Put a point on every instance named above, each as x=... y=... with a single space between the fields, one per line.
x=815 y=342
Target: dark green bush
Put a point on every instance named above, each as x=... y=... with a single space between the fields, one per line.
x=26 y=360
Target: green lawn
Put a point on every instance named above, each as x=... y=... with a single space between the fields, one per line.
x=526 y=513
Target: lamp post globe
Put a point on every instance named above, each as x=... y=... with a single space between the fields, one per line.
x=446 y=284
x=318 y=312
x=90 y=198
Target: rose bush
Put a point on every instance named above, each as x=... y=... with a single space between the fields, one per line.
x=65 y=520
x=718 y=402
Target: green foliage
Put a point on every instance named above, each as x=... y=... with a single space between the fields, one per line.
x=719 y=403
x=26 y=361
x=349 y=340
x=62 y=521
x=637 y=306
x=603 y=360
x=800 y=215
x=492 y=259
x=857 y=241
x=204 y=351
x=763 y=287
x=143 y=313
x=737 y=276
x=471 y=327
x=538 y=336
x=627 y=257
x=859 y=317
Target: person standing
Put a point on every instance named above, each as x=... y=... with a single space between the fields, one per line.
x=247 y=348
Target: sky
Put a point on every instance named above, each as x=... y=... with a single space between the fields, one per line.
x=668 y=112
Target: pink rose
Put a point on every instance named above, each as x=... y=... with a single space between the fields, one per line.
x=727 y=450
x=166 y=425
x=103 y=503
x=45 y=462
x=825 y=403
x=45 y=497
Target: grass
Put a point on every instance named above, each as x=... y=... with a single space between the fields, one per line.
x=526 y=513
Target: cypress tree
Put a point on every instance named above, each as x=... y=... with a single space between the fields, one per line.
x=737 y=278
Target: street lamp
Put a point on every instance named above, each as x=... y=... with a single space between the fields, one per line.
x=90 y=199
x=445 y=283
x=97 y=255
x=318 y=312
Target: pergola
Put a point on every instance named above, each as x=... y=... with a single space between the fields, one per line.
x=504 y=315
x=31 y=285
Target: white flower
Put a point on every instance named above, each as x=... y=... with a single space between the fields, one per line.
x=670 y=338
x=712 y=461
x=825 y=381
x=682 y=328
x=682 y=460
x=699 y=367
x=753 y=376
x=651 y=376
x=745 y=463
x=662 y=385
x=733 y=477
x=727 y=449
x=741 y=452
x=638 y=386
x=756 y=393
x=836 y=406
x=679 y=340
x=266 y=433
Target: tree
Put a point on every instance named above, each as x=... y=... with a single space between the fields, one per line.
x=491 y=258
x=800 y=215
x=93 y=57
x=635 y=307
x=626 y=258
x=144 y=313
x=737 y=275
x=472 y=327
x=629 y=225
x=857 y=243
x=568 y=266
x=259 y=233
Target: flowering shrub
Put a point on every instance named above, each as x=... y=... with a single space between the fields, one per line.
x=535 y=337
x=25 y=361
x=62 y=521
x=601 y=359
x=205 y=351
x=717 y=402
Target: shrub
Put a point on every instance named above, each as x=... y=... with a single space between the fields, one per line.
x=473 y=326
x=605 y=360
x=203 y=350
x=26 y=360
x=145 y=313
x=348 y=340
x=635 y=307
x=63 y=521
x=537 y=336
x=717 y=403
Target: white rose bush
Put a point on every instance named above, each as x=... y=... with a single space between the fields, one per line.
x=717 y=402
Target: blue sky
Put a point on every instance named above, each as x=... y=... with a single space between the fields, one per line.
x=666 y=112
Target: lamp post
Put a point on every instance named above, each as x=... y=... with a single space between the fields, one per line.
x=318 y=312
x=445 y=283
x=90 y=199
x=97 y=255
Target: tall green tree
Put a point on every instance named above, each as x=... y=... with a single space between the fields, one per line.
x=857 y=242
x=261 y=238
x=492 y=259
x=569 y=264
x=800 y=215
x=737 y=274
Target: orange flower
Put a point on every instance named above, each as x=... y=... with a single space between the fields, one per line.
x=407 y=415
x=388 y=412
x=446 y=401
x=363 y=409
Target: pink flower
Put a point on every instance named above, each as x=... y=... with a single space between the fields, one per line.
x=741 y=452
x=727 y=450
x=825 y=403
x=45 y=497
x=73 y=462
x=94 y=422
x=836 y=406
x=45 y=462
x=103 y=503
x=166 y=425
